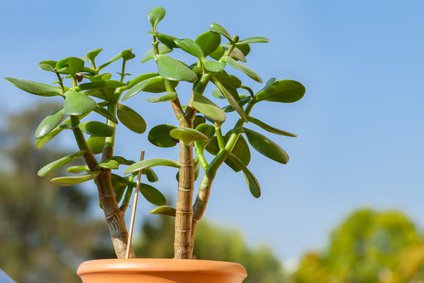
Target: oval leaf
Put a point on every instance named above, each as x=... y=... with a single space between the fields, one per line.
x=230 y=98
x=286 y=91
x=109 y=164
x=153 y=84
x=164 y=210
x=243 y=68
x=77 y=169
x=151 y=163
x=269 y=128
x=173 y=70
x=70 y=65
x=35 y=87
x=267 y=147
x=155 y=16
x=214 y=66
x=160 y=136
x=229 y=81
x=208 y=42
x=131 y=119
x=190 y=47
x=96 y=144
x=151 y=175
x=219 y=29
x=48 y=124
x=188 y=135
x=42 y=141
x=241 y=151
x=73 y=180
x=77 y=103
x=101 y=85
x=170 y=96
x=96 y=128
x=152 y=195
x=91 y=55
x=252 y=182
x=210 y=109
x=105 y=113
x=163 y=49
x=253 y=39
x=48 y=65
x=58 y=163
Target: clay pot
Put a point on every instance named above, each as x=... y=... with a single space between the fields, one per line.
x=160 y=271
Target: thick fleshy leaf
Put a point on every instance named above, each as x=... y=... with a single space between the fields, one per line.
x=243 y=69
x=253 y=39
x=105 y=113
x=212 y=147
x=70 y=65
x=47 y=65
x=217 y=94
x=49 y=123
x=77 y=169
x=269 y=128
x=242 y=151
x=127 y=54
x=42 y=141
x=141 y=78
x=230 y=98
x=114 y=59
x=169 y=96
x=237 y=54
x=190 y=47
x=91 y=55
x=241 y=102
x=252 y=182
x=218 y=53
x=164 y=210
x=101 y=85
x=131 y=119
x=210 y=109
x=95 y=128
x=160 y=136
x=35 y=87
x=58 y=163
x=245 y=48
x=173 y=70
x=73 y=180
x=122 y=160
x=198 y=120
x=152 y=195
x=109 y=164
x=155 y=16
x=163 y=49
x=265 y=146
x=166 y=39
x=77 y=103
x=209 y=41
x=188 y=135
x=214 y=66
x=96 y=144
x=153 y=84
x=215 y=27
x=147 y=163
x=285 y=91
x=151 y=175
x=208 y=131
x=227 y=80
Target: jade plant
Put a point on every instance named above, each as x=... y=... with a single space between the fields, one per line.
x=93 y=107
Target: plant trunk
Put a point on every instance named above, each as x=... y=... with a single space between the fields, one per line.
x=183 y=246
x=114 y=216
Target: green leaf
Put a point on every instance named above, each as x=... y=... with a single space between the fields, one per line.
x=208 y=131
x=215 y=27
x=190 y=47
x=269 y=128
x=141 y=78
x=241 y=102
x=151 y=175
x=70 y=65
x=213 y=66
x=218 y=53
x=101 y=85
x=153 y=84
x=265 y=146
x=212 y=147
x=285 y=91
x=163 y=49
x=96 y=128
x=155 y=16
x=169 y=96
x=229 y=81
x=48 y=65
x=96 y=144
x=233 y=102
x=199 y=119
x=241 y=151
x=73 y=180
x=77 y=103
x=152 y=195
x=164 y=210
x=188 y=135
x=217 y=94
x=210 y=109
x=166 y=39
x=109 y=164
x=91 y=55
x=243 y=69
x=127 y=54
x=77 y=169
x=122 y=160
x=131 y=119
x=151 y=163
x=58 y=163
x=49 y=123
x=208 y=41
x=42 y=141
x=35 y=87
x=173 y=70
x=253 y=39
x=237 y=54
x=105 y=113
x=245 y=48
x=160 y=136
x=252 y=182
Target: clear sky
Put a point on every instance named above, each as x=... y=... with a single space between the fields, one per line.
x=360 y=125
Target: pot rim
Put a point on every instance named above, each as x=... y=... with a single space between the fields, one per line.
x=149 y=265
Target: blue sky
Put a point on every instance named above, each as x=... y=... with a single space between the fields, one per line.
x=360 y=124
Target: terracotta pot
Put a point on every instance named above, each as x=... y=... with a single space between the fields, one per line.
x=140 y=270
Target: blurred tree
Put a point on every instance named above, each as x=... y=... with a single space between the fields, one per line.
x=368 y=246
x=214 y=243
x=39 y=223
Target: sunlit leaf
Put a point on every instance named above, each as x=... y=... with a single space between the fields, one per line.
x=286 y=91
x=160 y=136
x=190 y=47
x=227 y=80
x=253 y=39
x=171 y=69
x=96 y=128
x=77 y=103
x=156 y=15
x=166 y=39
x=269 y=128
x=230 y=98
x=35 y=87
x=152 y=195
x=47 y=65
x=151 y=175
x=101 y=85
x=105 y=113
x=169 y=96
x=49 y=123
x=188 y=135
x=58 y=163
x=252 y=182
x=73 y=180
x=77 y=169
x=215 y=27
x=131 y=119
x=96 y=144
x=41 y=142
x=91 y=55
x=163 y=49
x=164 y=210
x=209 y=41
x=109 y=164
x=147 y=163
x=243 y=69
x=70 y=65
x=210 y=109
x=153 y=84
x=241 y=151
x=214 y=66
x=218 y=53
